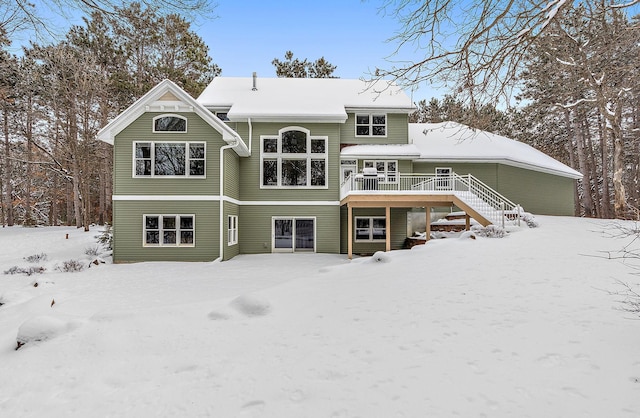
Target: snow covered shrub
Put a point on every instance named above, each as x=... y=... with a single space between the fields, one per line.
x=380 y=257
x=468 y=235
x=106 y=237
x=13 y=270
x=70 y=266
x=530 y=220
x=95 y=250
x=42 y=328
x=490 y=231
x=250 y=305
x=28 y=271
x=36 y=258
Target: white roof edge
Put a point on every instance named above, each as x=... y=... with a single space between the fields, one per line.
x=378 y=156
x=119 y=123
x=369 y=109
x=507 y=161
x=297 y=119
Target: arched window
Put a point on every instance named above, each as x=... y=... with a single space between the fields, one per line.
x=169 y=123
x=293 y=158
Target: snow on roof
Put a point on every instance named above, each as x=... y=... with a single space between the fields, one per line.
x=451 y=141
x=395 y=150
x=301 y=99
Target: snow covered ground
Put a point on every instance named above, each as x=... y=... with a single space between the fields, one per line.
x=523 y=326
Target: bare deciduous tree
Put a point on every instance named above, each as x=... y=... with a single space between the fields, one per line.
x=476 y=48
x=16 y=15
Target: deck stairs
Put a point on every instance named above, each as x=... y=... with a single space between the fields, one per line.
x=480 y=201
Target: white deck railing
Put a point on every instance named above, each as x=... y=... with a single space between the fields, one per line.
x=482 y=198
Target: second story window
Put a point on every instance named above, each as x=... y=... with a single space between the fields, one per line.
x=169 y=123
x=371 y=125
x=169 y=159
x=293 y=159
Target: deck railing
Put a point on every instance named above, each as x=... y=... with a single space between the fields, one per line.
x=482 y=198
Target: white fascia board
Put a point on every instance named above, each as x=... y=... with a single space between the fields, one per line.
x=402 y=110
x=506 y=161
x=379 y=156
x=287 y=119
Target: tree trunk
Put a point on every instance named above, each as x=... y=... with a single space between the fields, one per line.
x=604 y=148
x=592 y=164
x=28 y=216
x=587 y=202
x=8 y=195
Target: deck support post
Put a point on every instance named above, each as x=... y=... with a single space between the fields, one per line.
x=388 y=228
x=427 y=230
x=349 y=231
x=467 y=222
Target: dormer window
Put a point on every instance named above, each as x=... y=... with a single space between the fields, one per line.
x=169 y=123
x=371 y=124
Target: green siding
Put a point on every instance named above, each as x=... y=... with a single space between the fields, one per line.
x=250 y=167
x=398 y=230
x=230 y=251
x=141 y=130
x=536 y=192
x=397 y=131
x=231 y=174
x=255 y=224
x=128 y=230
x=485 y=172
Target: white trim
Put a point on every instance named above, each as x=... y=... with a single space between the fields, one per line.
x=278 y=156
x=166 y=115
x=232 y=230
x=152 y=157
x=160 y=229
x=370 y=124
x=370 y=218
x=169 y=198
x=215 y=198
x=290 y=203
x=293 y=234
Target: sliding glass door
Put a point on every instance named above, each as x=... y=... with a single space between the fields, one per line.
x=294 y=234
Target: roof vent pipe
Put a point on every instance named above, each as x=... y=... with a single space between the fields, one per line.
x=255 y=79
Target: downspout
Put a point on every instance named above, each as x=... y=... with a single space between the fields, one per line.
x=250 y=134
x=232 y=145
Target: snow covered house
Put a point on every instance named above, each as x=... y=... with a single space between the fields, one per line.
x=261 y=165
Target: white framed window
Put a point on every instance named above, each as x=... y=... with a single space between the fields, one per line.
x=370 y=228
x=444 y=180
x=169 y=159
x=387 y=168
x=293 y=159
x=232 y=230
x=371 y=124
x=168 y=230
x=169 y=123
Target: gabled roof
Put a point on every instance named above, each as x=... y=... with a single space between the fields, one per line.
x=168 y=97
x=454 y=142
x=301 y=99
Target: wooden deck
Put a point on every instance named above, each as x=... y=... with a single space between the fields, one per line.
x=388 y=200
